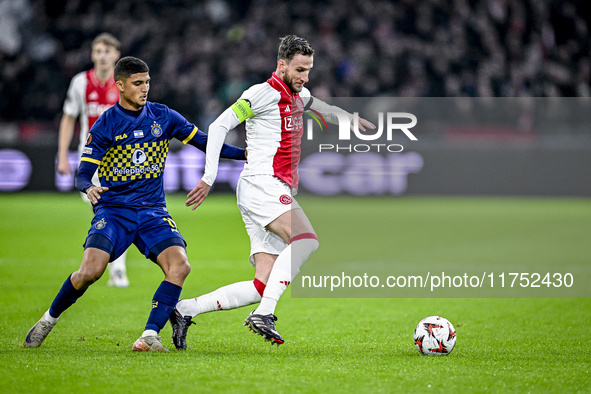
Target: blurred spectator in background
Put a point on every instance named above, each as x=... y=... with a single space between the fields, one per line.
x=210 y=50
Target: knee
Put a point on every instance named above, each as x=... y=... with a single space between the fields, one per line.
x=184 y=269
x=180 y=268
x=314 y=245
x=311 y=244
x=88 y=275
x=305 y=246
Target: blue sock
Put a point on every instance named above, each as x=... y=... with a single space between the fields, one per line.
x=163 y=304
x=65 y=298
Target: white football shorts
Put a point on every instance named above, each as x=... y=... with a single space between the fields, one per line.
x=262 y=199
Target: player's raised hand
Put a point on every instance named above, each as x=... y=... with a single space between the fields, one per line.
x=94 y=193
x=363 y=124
x=197 y=195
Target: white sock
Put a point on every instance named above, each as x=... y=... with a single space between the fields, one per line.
x=149 y=333
x=118 y=265
x=228 y=297
x=285 y=269
x=49 y=318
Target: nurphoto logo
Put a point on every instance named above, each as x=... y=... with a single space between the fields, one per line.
x=348 y=125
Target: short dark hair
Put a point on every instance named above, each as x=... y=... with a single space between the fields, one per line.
x=292 y=45
x=128 y=65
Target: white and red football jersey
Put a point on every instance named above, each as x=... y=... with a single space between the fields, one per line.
x=274 y=133
x=88 y=98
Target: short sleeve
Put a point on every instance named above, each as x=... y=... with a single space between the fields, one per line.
x=75 y=96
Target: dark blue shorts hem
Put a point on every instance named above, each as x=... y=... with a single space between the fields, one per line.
x=159 y=248
x=101 y=242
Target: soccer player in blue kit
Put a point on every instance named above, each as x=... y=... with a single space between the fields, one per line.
x=128 y=144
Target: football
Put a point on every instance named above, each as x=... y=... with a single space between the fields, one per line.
x=435 y=336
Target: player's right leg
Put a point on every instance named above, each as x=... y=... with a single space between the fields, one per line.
x=107 y=238
x=93 y=265
x=264 y=325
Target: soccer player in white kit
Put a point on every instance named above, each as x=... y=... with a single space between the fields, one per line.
x=90 y=94
x=281 y=236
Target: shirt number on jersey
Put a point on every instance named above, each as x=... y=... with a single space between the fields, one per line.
x=172 y=224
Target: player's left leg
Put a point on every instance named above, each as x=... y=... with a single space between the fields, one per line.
x=161 y=241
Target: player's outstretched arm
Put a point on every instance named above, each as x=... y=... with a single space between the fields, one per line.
x=215 y=142
x=332 y=114
x=228 y=151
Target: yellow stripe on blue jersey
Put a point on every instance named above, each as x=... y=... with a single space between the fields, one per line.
x=134 y=161
x=90 y=160
x=190 y=136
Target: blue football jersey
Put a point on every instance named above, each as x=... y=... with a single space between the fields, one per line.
x=131 y=152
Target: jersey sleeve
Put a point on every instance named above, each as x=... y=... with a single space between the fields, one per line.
x=254 y=101
x=84 y=175
x=75 y=96
x=184 y=130
x=217 y=134
x=97 y=142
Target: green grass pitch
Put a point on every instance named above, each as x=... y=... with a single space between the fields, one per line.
x=332 y=344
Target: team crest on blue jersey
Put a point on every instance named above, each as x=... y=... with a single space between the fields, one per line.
x=100 y=224
x=156 y=130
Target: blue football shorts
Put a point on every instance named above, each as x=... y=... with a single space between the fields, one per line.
x=151 y=229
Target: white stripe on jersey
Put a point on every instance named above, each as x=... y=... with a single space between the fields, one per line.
x=75 y=105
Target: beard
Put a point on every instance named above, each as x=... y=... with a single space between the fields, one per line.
x=289 y=82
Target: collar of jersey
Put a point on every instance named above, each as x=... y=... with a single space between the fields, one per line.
x=283 y=84
x=133 y=119
x=98 y=82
